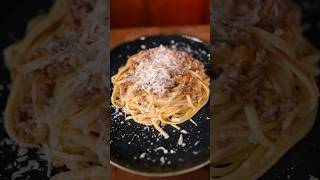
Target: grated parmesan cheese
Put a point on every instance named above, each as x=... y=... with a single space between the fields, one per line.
x=143 y=155
x=184 y=131
x=165 y=151
x=156 y=68
x=313 y=178
x=162 y=160
x=180 y=141
x=192 y=121
x=32 y=165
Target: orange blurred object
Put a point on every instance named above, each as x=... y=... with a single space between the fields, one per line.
x=137 y=13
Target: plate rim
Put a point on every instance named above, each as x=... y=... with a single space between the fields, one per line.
x=186 y=36
x=161 y=174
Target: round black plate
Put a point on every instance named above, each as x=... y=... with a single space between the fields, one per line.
x=141 y=149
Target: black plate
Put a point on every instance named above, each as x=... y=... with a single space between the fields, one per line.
x=134 y=146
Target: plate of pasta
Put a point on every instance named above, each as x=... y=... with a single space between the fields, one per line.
x=159 y=114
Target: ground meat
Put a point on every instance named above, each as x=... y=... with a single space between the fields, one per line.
x=188 y=84
x=78 y=10
x=232 y=19
x=286 y=107
x=246 y=83
x=87 y=90
x=24 y=119
x=244 y=80
x=278 y=110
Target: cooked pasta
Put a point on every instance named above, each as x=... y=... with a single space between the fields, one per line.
x=160 y=87
x=58 y=95
x=265 y=96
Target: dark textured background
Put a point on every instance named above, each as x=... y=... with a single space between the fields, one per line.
x=15 y=15
x=303 y=160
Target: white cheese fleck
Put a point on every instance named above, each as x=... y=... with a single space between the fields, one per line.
x=184 y=131
x=193 y=122
x=180 y=141
x=313 y=178
x=165 y=151
x=143 y=155
x=162 y=160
